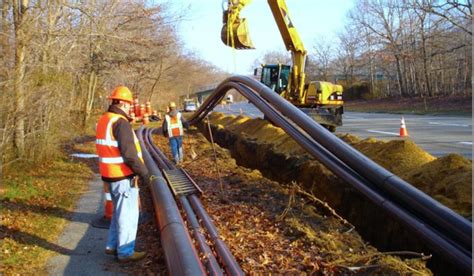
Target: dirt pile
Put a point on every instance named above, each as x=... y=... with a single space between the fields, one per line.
x=447 y=179
x=280 y=158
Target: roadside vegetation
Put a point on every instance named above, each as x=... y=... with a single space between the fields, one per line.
x=454 y=105
x=37 y=200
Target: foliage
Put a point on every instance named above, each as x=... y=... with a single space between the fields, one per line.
x=409 y=48
x=61 y=59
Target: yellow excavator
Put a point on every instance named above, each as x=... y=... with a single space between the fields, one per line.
x=321 y=100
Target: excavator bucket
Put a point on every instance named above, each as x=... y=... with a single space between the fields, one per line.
x=236 y=35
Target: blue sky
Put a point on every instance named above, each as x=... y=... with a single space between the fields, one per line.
x=200 y=29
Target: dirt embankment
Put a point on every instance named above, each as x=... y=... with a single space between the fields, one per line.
x=256 y=144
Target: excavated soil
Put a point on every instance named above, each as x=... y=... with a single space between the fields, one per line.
x=256 y=144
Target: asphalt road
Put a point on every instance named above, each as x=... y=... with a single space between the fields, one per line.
x=438 y=135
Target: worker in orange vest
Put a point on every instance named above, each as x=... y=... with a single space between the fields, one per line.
x=173 y=129
x=120 y=161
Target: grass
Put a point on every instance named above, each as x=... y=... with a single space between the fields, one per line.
x=451 y=106
x=36 y=202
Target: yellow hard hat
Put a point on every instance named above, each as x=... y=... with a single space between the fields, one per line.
x=121 y=93
x=172 y=105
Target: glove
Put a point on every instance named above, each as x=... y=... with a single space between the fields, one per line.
x=151 y=178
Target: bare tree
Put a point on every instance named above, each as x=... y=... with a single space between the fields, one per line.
x=21 y=31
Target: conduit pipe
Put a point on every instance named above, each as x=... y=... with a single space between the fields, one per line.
x=180 y=255
x=438 y=241
x=452 y=224
x=210 y=261
x=432 y=212
x=230 y=264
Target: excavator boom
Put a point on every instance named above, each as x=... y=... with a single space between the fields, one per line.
x=293 y=44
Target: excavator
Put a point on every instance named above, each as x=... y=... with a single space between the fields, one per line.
x=320 y=100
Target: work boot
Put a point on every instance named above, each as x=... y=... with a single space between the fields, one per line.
x=136 y=256
x=111 y=251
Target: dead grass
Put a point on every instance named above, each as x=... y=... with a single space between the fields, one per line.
x=454 y=105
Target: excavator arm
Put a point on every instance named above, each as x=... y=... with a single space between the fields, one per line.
x=235 y=34
x=293 y=44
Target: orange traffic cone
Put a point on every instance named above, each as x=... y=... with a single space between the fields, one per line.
x=146 y=119
x=403 y=128
x=104 y=221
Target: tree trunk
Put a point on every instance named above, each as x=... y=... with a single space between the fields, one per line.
x=19 y=15
x=90 y=96
x=401 y=85
x=426 y=73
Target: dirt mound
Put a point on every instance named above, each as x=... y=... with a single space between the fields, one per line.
x=397 y=156
x=448 y=179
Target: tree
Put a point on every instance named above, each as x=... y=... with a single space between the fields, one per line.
x=323 y=56
x=21 y=36
x=60 y=59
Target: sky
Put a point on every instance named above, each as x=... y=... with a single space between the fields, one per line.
x=201 y=27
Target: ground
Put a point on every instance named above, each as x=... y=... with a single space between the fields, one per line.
x=269 y=226
x=276 y=228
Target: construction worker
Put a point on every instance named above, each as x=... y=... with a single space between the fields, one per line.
x=120 y=161
x=173 y=129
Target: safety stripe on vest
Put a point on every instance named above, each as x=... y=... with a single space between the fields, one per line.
x=109 y=128
x=105 y=142
x=108 y=139
x=111 y=160
x=172 y=126
x=108 y=196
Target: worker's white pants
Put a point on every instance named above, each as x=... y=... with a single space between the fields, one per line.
x=124 y=224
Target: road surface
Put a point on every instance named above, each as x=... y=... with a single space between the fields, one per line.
x=438 y=135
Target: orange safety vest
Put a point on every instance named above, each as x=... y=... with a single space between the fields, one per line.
x=175 y=126
x=111 y=163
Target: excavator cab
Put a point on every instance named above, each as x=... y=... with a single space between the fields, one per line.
x=275 y=76
x=235 y=32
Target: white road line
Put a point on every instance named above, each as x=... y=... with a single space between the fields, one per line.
x=465 y=143
x=383 y=132
x=448 y=124
x=353 y=117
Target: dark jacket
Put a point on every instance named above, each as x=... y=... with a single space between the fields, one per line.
x=173 y=113
x=122 y=131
